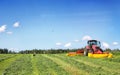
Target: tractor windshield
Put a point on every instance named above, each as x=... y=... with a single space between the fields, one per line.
x=94 y=43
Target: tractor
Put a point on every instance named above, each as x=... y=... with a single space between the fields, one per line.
x=93 y=47
x=91 y=50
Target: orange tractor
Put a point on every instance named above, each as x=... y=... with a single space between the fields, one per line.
x=91 y=50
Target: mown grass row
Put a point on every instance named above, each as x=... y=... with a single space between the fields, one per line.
x=46 y=66
x=4 y=64
x=21 y=66
x=90 y=65
x=66 y=66
x=58 y=64
x=6 y=56
x=33 y=65
x=105 y=64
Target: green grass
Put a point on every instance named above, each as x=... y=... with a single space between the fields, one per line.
x=57 y=64
x=47 y=66
x=21 y=66
x=34 y=65
x=6 y=56
x=88 y=67
x=6 y=62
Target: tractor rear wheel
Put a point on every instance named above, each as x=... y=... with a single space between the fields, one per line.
x=85 y=52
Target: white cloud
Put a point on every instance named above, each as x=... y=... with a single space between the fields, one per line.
x=3 y=28
x=67 y=44
x=105 y=45
x=14 y=49
x=76 y=40
x=58 y=44
x=115 y=43
x=16 y=24
x=86 y=38
x=9 y=32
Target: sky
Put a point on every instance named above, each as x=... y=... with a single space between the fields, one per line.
x=46 y=24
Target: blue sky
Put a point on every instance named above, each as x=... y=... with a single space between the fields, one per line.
x=45 y=24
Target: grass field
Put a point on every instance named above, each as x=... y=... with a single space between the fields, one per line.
x=57 y=64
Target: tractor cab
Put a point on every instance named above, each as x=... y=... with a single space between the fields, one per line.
x=94 y=42
x=93 y=47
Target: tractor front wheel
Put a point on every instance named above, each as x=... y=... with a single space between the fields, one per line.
x=85 y=52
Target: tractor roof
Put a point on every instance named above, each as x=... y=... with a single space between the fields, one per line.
x=92 y=40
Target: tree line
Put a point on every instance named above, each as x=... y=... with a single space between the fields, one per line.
x=47 y=51
x=6 y=51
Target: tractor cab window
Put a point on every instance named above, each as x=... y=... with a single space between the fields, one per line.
x=98 y=44
x=94 y=43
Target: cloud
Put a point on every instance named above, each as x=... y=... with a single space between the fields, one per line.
x=86 y=38
x=105 y=45
x=16 y=24
x=67 y=44
x=9 y=32
x=76 y=40
x=2 y=28
x=14 y=49
x=58 y=44
x=115 y=43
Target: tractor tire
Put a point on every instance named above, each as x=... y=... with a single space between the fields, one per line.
x=85 y=52
x=91 y=51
